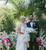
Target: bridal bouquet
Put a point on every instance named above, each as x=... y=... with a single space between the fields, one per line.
x=29 y=33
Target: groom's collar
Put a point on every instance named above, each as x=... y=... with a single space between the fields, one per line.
x=32 y=21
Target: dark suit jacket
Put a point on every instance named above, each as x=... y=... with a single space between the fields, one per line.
x=35 y=25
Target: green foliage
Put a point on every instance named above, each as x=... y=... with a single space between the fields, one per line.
x=32 y=36
x=11 y=46
x=8 y=15
x=8 y=25
x=37 y=6
x=41 y=5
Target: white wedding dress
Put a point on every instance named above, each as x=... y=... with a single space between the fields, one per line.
x=20 y=45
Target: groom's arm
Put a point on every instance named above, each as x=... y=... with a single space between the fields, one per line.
x=27 y=24
x=37 y=26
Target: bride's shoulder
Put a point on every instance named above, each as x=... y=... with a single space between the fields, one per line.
x=25 y=25
x=19 y=25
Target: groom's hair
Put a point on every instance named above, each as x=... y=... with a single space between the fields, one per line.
x=30 y=14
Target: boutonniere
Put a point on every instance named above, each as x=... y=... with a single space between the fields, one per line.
x=34 y=24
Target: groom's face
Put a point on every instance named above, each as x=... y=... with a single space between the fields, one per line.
x=30 y=17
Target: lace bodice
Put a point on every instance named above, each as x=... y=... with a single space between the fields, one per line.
x=23 y=26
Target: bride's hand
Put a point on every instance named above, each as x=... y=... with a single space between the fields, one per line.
x=20 y=31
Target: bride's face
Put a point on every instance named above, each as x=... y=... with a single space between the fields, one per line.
x=23 y=19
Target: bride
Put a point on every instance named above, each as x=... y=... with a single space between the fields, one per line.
x=20 y=44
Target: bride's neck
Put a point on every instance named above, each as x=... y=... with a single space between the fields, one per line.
x=22 y=22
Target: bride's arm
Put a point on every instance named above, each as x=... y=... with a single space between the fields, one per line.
x=19 y=30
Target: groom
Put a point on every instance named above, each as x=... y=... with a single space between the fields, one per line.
x=33 y=24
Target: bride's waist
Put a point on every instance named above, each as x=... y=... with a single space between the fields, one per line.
x=23 y=31
x=21 y=34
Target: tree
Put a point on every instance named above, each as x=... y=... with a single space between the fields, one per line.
x=6 y=18
x=8 y=25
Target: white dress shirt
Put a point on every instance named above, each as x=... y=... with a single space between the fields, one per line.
x=31 y=23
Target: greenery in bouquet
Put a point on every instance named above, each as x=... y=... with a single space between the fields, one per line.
x=32 y=33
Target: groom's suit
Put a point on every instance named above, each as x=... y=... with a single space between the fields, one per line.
x=34 y=43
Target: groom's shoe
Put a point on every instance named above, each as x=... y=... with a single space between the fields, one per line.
x=27 y=48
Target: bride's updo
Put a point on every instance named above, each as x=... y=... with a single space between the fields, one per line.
x=22 y=17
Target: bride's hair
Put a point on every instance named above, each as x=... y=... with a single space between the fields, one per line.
x=22 y=17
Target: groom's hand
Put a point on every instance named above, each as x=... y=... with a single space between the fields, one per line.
x=37 y=39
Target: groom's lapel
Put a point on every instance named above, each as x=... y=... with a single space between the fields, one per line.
x=29 y=24
x=33 y=24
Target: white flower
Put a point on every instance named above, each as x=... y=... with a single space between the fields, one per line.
x=0 y=40
x=9 y=43
x=12 y=32
x=8 y=47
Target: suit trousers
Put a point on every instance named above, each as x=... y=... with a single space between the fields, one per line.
x=33 y=45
